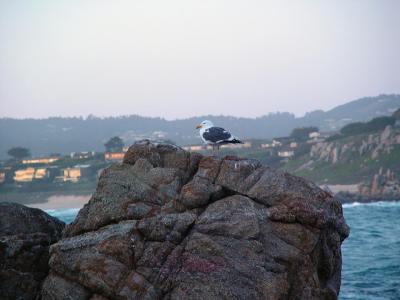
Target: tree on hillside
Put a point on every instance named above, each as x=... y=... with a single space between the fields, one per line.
x=114 y=144
x=375 y=124
x=301 y=133
x=380 y=123
x=19 y=153
x=353 y=128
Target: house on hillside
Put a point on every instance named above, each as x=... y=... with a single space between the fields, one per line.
x=41 y=173
x=317 y=137
x=40 y=160
x=75 y=173
x=209 y=147
x=314 y=135
x=194 y=148
x=71 y=174
x=24 y=175
x=2 y=177
x=286 y=153
x=159 y=134
x=30 y=174
x=273 y=144
x=114 y=156
x=82 y=155
x=237 y=146
x=7 y=174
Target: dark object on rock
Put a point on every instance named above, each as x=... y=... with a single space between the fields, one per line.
x=25 y=236
x=169 y=224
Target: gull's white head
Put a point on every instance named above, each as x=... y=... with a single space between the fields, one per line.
x=205 y=124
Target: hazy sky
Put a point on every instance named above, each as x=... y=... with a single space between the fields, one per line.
x=176 y=59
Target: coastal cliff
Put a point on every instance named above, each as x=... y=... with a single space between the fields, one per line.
x=369 y=146
x=384 y=185
x=365 y=166
x=168 y=224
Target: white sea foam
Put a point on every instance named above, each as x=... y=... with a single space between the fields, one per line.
x=377 y=203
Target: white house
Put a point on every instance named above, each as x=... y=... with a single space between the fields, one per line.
x=314 y=135
x=274 y=144
x=285 y=153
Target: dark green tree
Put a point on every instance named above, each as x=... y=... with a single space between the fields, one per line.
x=380 y=123
x=114 y=144
x=301 y=133
x=19 y=153
x=375 y=124
x=354 y=128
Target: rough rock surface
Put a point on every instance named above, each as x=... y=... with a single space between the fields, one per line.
x=25 y=237
x=169 y=224
x=370 y=147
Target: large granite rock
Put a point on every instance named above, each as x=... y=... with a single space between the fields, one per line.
x=25 y=236
x=169 y=224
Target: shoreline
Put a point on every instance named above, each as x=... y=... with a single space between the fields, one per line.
x=346 y=197
x=372 y=203
x=349 y=193
x=32 y=198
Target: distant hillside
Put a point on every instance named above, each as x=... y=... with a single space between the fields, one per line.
x=363 y=109
x=350 y=159
x=64 y=135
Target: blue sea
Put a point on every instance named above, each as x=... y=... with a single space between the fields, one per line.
x=371 y=255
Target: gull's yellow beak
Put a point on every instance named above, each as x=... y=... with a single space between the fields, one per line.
x=199 y=126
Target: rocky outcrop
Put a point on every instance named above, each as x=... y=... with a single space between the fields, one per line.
x=383 y=186
x=369 y=147
x=25 y=237
x=169 y=224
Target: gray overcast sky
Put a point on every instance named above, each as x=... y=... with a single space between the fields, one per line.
x=180 y=58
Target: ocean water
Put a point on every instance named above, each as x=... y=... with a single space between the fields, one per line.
x=65 y=215
x=371 y=255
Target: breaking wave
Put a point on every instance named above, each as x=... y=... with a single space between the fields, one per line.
x=377 y=203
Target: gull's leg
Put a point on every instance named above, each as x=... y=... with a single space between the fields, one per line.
x=214 y=150
x=217 y=150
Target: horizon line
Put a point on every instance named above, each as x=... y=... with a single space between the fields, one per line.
x=92 y=116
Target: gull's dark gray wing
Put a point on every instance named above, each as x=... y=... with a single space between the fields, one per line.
x=216 y=135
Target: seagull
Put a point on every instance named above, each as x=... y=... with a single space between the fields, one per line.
x=215 y=136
